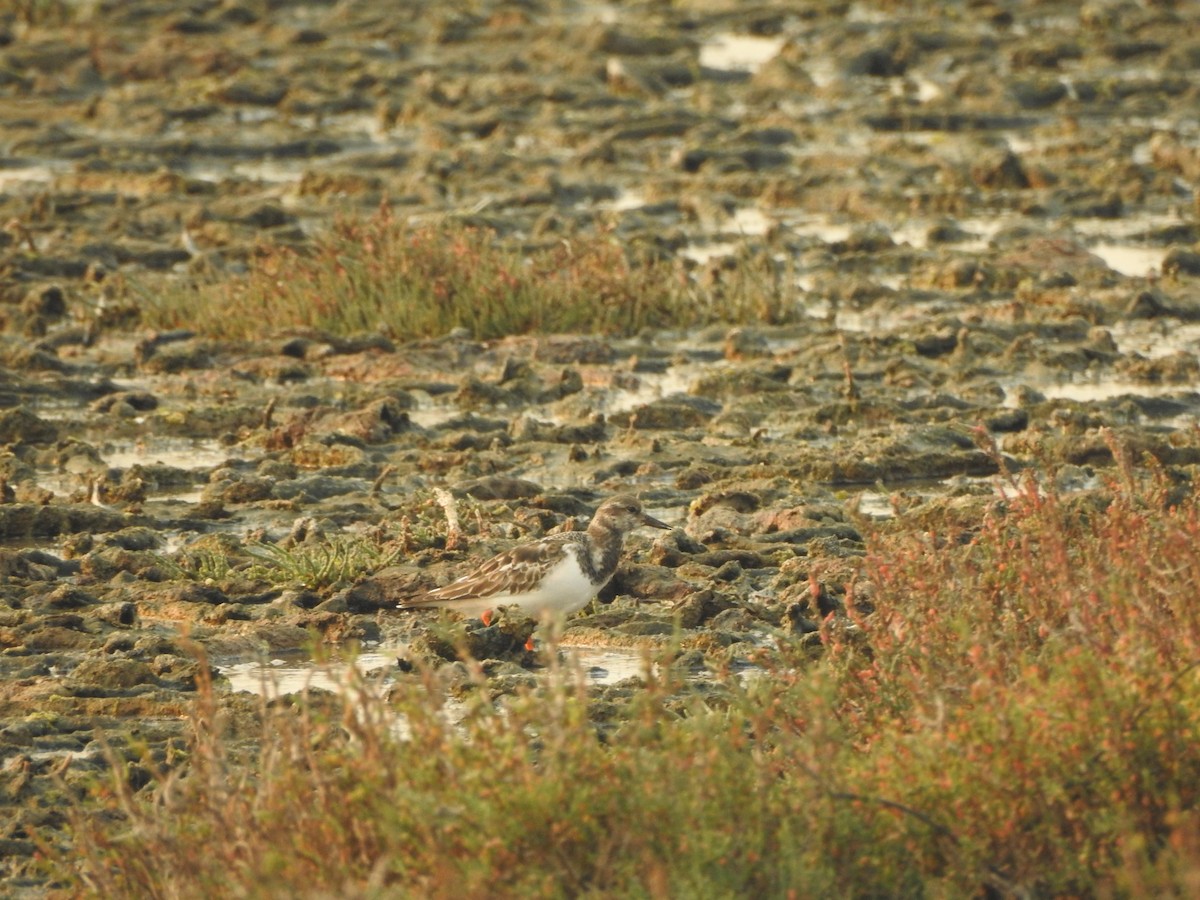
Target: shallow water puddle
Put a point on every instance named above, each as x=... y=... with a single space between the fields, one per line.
x=872 y=320
x=625 y=201
x=882 y=501
x=1158 y=339
x=881 y=504
x=738 y=52
x=1108 y=389
x=1122 y=244
x=51 y=545
x=1070 y=480
x=651 y=386
x=876 y=505
x=1136 y=262
x=271 y=171
x=750 y=221
x=820 y=227
x=606 y=666
x=278 y=677
x=701 y=253
x=181 y=453
x=430 y=413
x=31 y=175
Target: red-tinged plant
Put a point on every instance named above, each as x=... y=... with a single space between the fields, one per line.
x=1036 y=689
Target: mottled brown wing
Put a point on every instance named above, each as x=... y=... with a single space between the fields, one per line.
x=511 y=572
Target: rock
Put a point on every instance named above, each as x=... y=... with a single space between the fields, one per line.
x=1038 y=93
x=1002 y=171
x=254 y=90
x=729 y=571
x=743 y=343
x=936 y=343
x=38 y=520
x=742 y=381
x=14 y=565
x=192 y=592
x=505 y=638
x=49 y=302
x=174 y=359
x=282 y=636
x=646 y=582
x=474 y=393
x=502 y=488
x=867 y=239
x=137 y=401
x=119 y=642
x=1179 y=261
x=698 y=607
x=948 y=232
x=627 y=42
x=676 y=413
x=267 y=215
x=1145 y=305
x=739 y=501
x=527 y=428
x=784 y=72
x=312 y=488
x=245 y=489
x=59 y=633
x=1008 y=421
x=69 y=597
x=135 y=538
x=21 y=426
x=880 y=61
x=375 y=423
x=108 y=676
x=742 y=558
x=645 y=628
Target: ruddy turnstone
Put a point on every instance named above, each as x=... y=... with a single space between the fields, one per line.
x=560 y=573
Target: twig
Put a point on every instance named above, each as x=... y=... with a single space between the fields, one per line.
x=453 y=532
x=377 y=484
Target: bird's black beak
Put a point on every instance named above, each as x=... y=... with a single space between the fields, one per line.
x=648 y=519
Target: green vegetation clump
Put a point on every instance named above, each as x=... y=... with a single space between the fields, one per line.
x=319 y=565
x=1009 y=711
x=414 y=281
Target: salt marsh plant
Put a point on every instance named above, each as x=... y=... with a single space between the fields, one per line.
x=319 y=565
x=422 y=280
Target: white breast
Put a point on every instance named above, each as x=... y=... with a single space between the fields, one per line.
x=564 y=589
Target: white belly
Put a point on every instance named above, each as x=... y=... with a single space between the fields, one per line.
x=564 y=590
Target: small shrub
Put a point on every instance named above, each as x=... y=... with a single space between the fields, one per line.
x=413 y=281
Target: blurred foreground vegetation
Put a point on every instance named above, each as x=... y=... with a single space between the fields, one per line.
x=1008 y=708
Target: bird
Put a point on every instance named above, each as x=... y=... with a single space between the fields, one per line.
x=560 y=573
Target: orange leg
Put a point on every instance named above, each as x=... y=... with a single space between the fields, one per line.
x=487 y=617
